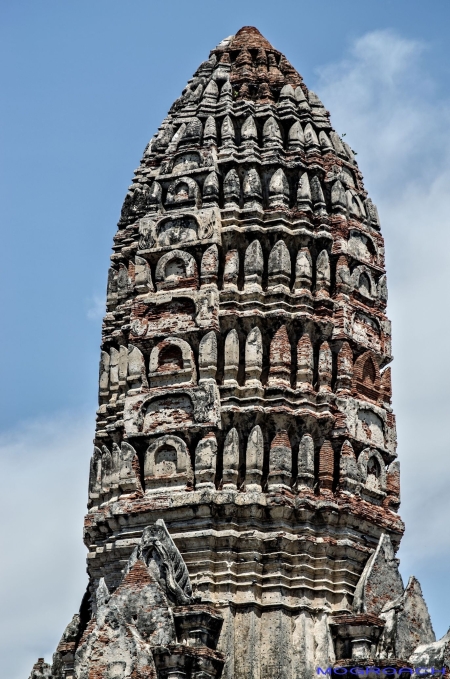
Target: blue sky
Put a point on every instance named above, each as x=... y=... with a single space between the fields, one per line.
x=84 y=87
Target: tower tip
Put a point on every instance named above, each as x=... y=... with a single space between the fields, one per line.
x=250 y=37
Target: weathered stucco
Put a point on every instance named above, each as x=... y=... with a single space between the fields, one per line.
x=243 y=495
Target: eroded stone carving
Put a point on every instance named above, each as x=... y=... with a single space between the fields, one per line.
x=231 y=352
x=253 y=265
x=305 y=363
x=167 y=464
x=380 y=581
x=280 y=462
x=305 y=477
x=254 y=459
x=253 y=358
x=136 y=620
x=408 y=623
x=279 y=266
x=303 y=270
x=231 y=460
x=205 y=461
x=246 y=401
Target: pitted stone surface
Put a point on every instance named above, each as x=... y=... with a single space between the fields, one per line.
x=244 y=401
x=408 y=623
x=380 y=582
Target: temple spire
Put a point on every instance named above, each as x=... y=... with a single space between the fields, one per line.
x=244 y=463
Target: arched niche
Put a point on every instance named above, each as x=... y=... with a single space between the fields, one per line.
x=370 y=427
x=366 y=376
x=167 y=465
x=354 y=205
x=372 y=470
x=183 y=192
x=176 y=230
x=188 y=160
x=361 y=246
x=172 y=363
x=362 y=281
x=176 y=269
x=366 y=331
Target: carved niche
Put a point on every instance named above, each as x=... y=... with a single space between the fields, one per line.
x=189 y=160
x=171 y=312
x=176 y=269
x=366 y=330
x=175 y=230
x=179 y=228
x=372 y=469
x=167 y=465
x=184 y=190
x=361 y=246
x=172 y=364
x=366 y=376
x=370 y=427
x=163 y=411
x=362 y=281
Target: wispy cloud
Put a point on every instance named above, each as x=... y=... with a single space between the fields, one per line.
x=97 y=307
x=386 y=102
x=394 y=116
x=44 y=468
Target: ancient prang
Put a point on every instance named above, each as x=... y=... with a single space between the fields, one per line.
x=244 y=486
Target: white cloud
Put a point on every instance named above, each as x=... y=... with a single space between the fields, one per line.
x=381 y=96
x=386 y=102
x=97 y=307
x=45 y=467
x=384 y=99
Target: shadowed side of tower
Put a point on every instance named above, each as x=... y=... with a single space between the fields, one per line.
x=244 y=487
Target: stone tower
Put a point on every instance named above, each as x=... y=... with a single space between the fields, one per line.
x=242 y=518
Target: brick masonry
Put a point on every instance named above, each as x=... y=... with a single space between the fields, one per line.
x=244 y=486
